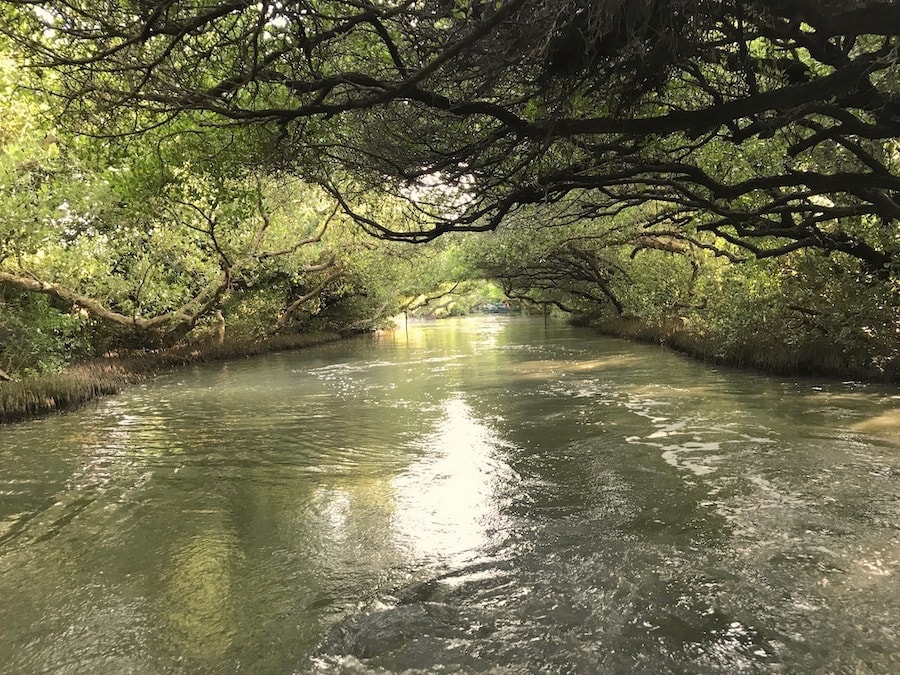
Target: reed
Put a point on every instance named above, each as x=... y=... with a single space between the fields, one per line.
x=758 y=352
x=83 y=382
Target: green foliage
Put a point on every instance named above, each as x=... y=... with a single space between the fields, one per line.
x=128 y=242
x=250 y=311
x=743 y=304
x=659 y=285
x=801 y=311
x=774 y=231
x=35 y=336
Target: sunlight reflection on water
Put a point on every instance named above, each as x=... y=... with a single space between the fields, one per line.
x=448 y=504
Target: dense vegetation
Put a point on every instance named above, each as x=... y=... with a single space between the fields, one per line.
x=722 y=175
x=146 y=241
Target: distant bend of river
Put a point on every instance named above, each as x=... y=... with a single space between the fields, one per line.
x=486 y=494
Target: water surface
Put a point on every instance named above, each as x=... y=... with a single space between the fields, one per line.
x=476 y=495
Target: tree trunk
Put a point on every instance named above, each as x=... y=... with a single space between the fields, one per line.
x=220 y=327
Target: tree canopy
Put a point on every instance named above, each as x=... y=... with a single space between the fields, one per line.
x=772 y=125
x=734 y=165
x=138 y=242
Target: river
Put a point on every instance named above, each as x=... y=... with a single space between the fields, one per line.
x=488 y=494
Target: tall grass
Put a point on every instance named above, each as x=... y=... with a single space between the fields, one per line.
x=57 y=391
x=83 y=382
x=764 y=353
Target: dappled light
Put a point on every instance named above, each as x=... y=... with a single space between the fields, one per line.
x=199 y=606
x=886 y=424
x=539 y=370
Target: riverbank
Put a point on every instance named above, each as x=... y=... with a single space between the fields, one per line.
x=766 y=354
x=83 y=382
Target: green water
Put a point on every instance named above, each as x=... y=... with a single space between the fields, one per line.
x=475 y=495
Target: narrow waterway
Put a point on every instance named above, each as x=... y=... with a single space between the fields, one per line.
x=487 y=494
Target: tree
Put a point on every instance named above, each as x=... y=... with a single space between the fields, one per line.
x=473 y=110
x=554 y=255
x=144 y=238
x=614 y=146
